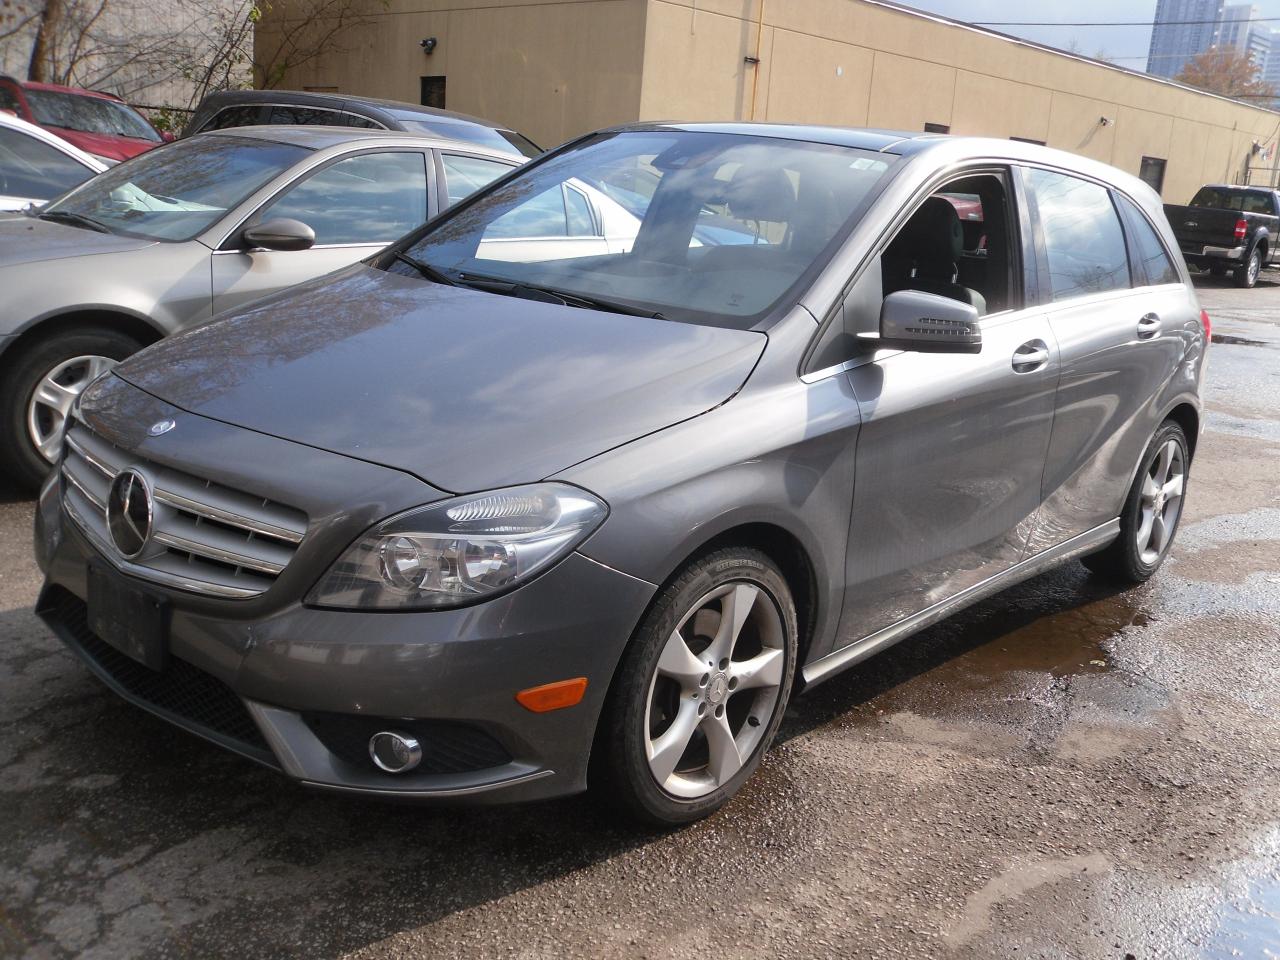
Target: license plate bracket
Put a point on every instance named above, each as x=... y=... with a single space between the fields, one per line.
x=132 y=621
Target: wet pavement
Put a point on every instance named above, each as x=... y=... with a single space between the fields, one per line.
x=1063 y=771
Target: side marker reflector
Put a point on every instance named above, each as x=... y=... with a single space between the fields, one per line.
x=553 y=696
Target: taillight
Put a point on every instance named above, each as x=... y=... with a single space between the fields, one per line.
x=1242 y=227
x=1208 y=327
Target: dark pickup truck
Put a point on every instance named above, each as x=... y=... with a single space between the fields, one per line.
x=1228 y=228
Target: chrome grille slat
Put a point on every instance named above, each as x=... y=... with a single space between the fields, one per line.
x=206 y=538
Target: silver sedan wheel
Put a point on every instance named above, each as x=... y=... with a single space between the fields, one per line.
x=714 y=690
x=53 y=398
x=1161 y=501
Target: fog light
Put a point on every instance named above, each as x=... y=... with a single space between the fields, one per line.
x=395 y=752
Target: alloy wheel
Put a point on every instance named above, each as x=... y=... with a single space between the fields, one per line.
x=714 y=689
x=1160 y=501
x=55 y=395
x=1255 y=267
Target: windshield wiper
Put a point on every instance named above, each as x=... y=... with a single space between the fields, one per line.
x=427 y=270
x=569 y=299
x=79 y=219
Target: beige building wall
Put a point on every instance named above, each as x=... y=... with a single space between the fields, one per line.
x=557 y=69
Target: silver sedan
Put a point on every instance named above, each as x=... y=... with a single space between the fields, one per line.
x=191 y=229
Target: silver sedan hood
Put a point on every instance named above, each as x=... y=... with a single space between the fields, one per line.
x=26 y=239
x=464 y=389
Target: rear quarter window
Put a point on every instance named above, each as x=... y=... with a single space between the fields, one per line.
x=1083 y=239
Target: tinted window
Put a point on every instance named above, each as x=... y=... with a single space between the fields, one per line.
x=246 y=115
x=463 y=176
x=355 y=120
x=372 y=198
x=1082 y=236
x=8 y=99
x=88 y=115
x=304 y=115
x=34 y=170
x=177 y=191
x=463 y=130
x=1148 y=249
x=1244 y=201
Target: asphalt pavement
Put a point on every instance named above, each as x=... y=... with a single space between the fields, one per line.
x=1063 y=771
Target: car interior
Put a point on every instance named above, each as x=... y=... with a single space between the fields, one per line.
x=956 y=245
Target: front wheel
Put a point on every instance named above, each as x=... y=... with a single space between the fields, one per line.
x=1151 y=511
x=1246 y=275
x=701 y=689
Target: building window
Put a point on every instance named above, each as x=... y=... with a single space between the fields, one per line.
x=433 y=92
x=937 y=128
x=1040 y=143
x=1152 y=173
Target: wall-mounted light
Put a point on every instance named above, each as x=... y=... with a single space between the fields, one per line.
x=428 y=45
x=1104 y=121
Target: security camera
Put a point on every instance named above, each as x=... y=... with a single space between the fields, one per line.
x=428 y=45
x=1105 y=121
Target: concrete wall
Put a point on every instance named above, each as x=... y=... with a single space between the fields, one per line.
x=557 y=69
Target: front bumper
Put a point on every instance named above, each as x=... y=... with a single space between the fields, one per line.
x=301 y=689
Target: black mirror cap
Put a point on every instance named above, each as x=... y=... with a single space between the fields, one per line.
x=281 y=233
x=929 y=323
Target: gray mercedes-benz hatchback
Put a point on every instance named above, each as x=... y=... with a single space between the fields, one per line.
x=495 y=514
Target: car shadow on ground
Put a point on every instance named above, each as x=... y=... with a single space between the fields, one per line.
x=110 y=811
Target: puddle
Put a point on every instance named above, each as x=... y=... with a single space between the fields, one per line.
x=1239 y=341
x=1251 y=927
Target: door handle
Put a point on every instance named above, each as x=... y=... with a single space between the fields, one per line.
x=1149 y=326
x=1032 y=355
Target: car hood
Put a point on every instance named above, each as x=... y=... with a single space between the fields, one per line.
x=26 y=239
x=464 y=389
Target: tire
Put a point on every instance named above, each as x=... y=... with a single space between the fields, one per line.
x=76 y=356
x=661 y=690
x=1134 y=556
x=1246 y=275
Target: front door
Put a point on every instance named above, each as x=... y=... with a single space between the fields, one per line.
x=356 y=205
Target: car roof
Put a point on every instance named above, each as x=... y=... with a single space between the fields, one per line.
x=316 y=137
x=46 y=136
x=343 y=101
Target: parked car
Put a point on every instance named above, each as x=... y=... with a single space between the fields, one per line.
x=36 y=166
x=242 y=108
x=98 y=123
x=1227 y=228
x=451 y=524
x=192 y=229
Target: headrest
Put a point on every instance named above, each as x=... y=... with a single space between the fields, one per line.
x=932 y=237
x=761 y=194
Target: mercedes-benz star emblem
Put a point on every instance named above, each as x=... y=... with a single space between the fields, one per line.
x=129 y=513
x=161 y=426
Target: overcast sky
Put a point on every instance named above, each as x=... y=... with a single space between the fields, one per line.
x=1126 y=45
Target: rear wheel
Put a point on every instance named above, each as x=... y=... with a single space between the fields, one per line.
x=701 y=689
x=1151 y=511
x=1246 y=275
x=39 y=390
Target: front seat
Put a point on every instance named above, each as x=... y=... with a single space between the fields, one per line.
x=926 y=252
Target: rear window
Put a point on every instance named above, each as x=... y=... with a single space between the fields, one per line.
x=467 y=132
x=1242 y=201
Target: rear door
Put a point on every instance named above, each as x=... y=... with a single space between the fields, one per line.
x=356 y=205
x=1116 y=331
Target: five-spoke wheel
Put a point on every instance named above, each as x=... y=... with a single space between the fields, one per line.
x=51 y=401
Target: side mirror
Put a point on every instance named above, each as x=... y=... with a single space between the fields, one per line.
x=928 y=323
x=279 y=234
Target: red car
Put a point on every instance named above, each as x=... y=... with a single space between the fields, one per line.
x=97 y=123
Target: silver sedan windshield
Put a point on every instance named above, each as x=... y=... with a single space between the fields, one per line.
x=697 y=226
x=176 y=191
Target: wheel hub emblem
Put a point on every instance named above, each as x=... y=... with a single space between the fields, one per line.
x=717 y=689
x=129 y=513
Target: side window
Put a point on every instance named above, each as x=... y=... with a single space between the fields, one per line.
x=246 y=115
x=578 y=209
x=370 y=198
x=463 y=176
x=540 y=216
x=1082 y=236
x=355 y=120
x=34 y=170
x=1148 y=249
x=304 y=115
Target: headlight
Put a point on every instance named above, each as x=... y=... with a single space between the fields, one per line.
x=461 y=550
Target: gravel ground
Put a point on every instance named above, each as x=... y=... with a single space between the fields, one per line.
x=1062 y=771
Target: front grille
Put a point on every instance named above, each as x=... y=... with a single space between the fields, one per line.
x=205 y=538
x=183 y=692
x=447 y=747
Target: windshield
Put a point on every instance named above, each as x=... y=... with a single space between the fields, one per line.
x=701 y=227
x=1245 y=201
x=88 y=115
x=179 y=190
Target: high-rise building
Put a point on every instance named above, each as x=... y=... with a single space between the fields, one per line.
x=1235 y=27
x=1183 y=28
